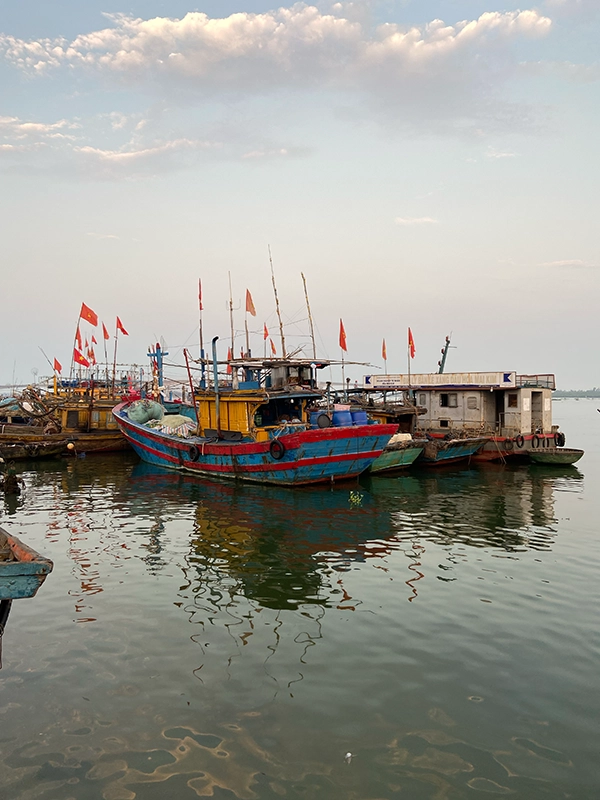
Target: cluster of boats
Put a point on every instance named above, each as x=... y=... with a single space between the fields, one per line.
x=270 y=421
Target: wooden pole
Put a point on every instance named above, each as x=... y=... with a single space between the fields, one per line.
x=200 y=309
x=283 y=350
x=310 y=320
x=231 y=316
x=191 y=382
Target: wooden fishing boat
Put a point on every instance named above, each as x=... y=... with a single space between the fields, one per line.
x=437 y=451
x=268 y=438
x=22 y=570
x=564 y=455
x=32 y=449
x=399 y=454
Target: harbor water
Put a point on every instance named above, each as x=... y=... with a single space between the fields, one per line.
x=432 y=635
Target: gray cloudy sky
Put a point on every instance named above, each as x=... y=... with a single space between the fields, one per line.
x=432 y=164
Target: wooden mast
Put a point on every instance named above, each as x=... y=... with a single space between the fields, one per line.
x=283 y=350
x=310 y=320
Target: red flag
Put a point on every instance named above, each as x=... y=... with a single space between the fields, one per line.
x=92 y=356
x=79 y=358
x=89 y=315
x=94 y=340
x=343 y=337
x=383 y=351
x=265 y=332
x=199 y=294
x=229 y=355
x=87 y=345
x=121 y=328
x=105 y=333
x=273 y=349
x=411 y=344
x=249 y=304
x=57 y=365
x=78 y=339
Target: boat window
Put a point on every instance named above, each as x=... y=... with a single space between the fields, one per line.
x=471 y=402
x=444 y=423
x=422 y=399
x=72 y=419
x=513 y=401
x=274 y=412
x=449 y=400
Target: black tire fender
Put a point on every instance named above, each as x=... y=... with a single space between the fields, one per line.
x=519 y=440
x=323 y=421
x=194 y=453
x=559 y=439
x=277 y=449
x=508 y=444
x=535 y=441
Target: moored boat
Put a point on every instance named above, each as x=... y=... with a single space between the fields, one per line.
x=22 y=569
x=437 y=451
x=564 y=455
x=268 y=438
x=401 y=451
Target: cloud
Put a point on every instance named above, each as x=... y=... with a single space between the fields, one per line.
x=571 y=263
x=574 y=73
x=103 y=235
x=21 y=135
x=493 y=153
x=435 y=71
x=415 y=221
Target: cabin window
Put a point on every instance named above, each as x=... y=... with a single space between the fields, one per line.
x=513 y=401
x=444 y=423
x=471 y=402
x=449 y=400
x=422 y=399
x=72 y=419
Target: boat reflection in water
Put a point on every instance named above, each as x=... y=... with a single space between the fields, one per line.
x=286 y=550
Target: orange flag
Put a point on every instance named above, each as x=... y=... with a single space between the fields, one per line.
x=89 y=315
x=199 y=294
x=249 y=304
x=229 y=357
x=265 y=332
x=87 y=345
x=273 y=349
x=105 y=333
x=343 y=337
x=121 y=328
x=57 y=365
x=383 y=351
x=78 y=339
x=79 y=358
x=94 y=340
x=411 y=344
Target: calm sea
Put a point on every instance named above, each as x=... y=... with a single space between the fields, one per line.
x=200 y=639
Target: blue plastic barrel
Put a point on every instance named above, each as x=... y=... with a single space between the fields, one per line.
x=359 y=417
x=342 y=418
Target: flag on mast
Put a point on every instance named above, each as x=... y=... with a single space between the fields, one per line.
x=94 y=340
x=78 y=338
x=265 y=332
x=87 y=314
x=121 y=328
x=249 y=304
x=79 y=358
x=105 y=333
x=411 y=344
x=273 y=348
x=343 y=344
x=383 y=351
x=57 y=365
x=200 y=294
x=229 y=357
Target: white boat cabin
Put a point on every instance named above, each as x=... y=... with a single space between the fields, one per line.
x=502 y=403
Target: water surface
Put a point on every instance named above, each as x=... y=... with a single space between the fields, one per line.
x=202 y=639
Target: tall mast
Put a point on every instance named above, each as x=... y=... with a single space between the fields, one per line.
x=310 y=320
x=231 y=316
x=200 y=309
x=445 y=348
x=283 y=350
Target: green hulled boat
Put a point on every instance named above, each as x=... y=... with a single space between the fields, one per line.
x=555 y=455
x=399 y=454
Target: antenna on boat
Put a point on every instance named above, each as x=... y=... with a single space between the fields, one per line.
x=445 y=348
x=277 y=305
x=310 y=321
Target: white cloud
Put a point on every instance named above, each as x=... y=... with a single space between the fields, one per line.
x=493 y=153
x=33 y=134
x=415 y=221
x=438 y=71
x=102 y=235
x=570 y=263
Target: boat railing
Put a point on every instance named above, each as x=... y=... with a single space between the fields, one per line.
x=544 y=381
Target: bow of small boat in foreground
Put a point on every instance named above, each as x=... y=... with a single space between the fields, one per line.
x=564 y=455
x=22 y=570
x=293 y=456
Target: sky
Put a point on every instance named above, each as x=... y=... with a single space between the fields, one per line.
x=424 y=164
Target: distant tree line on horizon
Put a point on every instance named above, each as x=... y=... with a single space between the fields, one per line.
x=595 y=392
